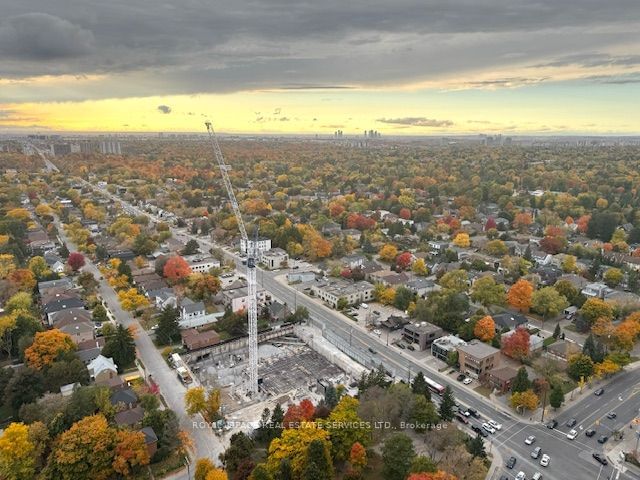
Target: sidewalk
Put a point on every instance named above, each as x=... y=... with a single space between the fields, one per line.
x=627 y=445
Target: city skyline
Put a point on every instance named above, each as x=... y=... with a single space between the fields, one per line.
x=408 y=68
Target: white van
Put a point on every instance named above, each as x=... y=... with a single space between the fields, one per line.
x=364 y=305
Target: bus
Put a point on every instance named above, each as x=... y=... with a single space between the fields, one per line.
x=434 y=387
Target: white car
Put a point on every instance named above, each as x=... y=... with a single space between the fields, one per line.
x=537 y=476
x=544 y=461
x=530 y=440
x=494 y=424
x=521 y=476
x=572 y=434
x=467 y=381
x=488 y=428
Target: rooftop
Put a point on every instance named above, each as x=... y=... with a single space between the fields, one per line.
x=478 y=349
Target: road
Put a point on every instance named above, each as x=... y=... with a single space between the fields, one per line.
x=569 y=459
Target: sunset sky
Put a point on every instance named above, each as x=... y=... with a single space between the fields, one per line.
x=277 y=66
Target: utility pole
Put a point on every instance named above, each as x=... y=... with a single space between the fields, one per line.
x=544 y=405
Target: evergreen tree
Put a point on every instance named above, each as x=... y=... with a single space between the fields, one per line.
x=589 y=347
x=521 y=383
x=168 y=327
x=556 y=397
x=285 y=472
x=420 y=387
x=557 y=331
x=64 y=251
x=331 y=397
x=121 y=347
x=475 y=446
x=277 y=417
x=527 y=254
x=447 y=405
x=318 y=463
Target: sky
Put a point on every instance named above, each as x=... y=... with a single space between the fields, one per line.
x=414 y=67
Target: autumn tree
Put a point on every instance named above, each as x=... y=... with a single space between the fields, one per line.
x=86 y=450
x=462 y=240
x=176 y=269
x=203 y=286
x=606 y=368
x=580 y=367
x=197 y=400
x=439 y=475
x=7 y=264
x=75 y=261
x=388 y=253
x=345 y=414
x=419 y=267
x=455 y=280
x=203 y=467
x=486 y=291
x=46 y=348
x=293 y=445
x=485 y=329
x=130 y=452
x=521 y=221
x=595 y=308
x=613 y=276
x=403 y=261
x=527 y=400
x=625 y=334
x=548 y=302
x=569 y=264
x=131 y=299
x=22 y=280
x=516 y=344
x=496 y=248
x=358 y=456
x=39 y=267
x=520 y=294
x=17 y=460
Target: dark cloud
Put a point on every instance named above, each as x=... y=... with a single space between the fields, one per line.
x=145 y=48
x=164 y=109
x=416 y=122
x=43 y=37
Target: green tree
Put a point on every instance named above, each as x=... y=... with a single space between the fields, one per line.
x=580 y=366
x=548 y=302
x=475 y=446
x=447 y=405
x=557 y=331
x=318 y=462
x=521 y=381
x=191 y=247
x=595 y=308
x=168 y=330
x=25 y=386
x=121 y=347
x=422 y=464
x=346 y=414
x=331 y=397
x=486 y=291
x=397 y=455
x=556 y=396
x=567 y=290
x=419 y=386
x=240 y=448
x=455 y=280
x=423 y=413
x=403 y=298
x=613 y=276
x=100 y=313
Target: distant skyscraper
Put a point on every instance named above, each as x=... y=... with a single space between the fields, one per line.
x=110 y=147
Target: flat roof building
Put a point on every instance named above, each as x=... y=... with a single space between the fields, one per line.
x=423 y=334
x=477 y=358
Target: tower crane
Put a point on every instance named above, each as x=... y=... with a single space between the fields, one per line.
x=251 y=264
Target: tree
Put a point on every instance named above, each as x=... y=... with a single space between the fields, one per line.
x=485 y=328
x=121 y=347
x=240 y=449
x=516 y=344
x=439 y=475
x=557 y=331
x=606 y=368
x=191 y=247
x=403 y=261
x=625 y=334
x=475 y=446
x=613 y=276
x=487 y=292
x=455 y=280
x=388 y=253
x=403 y=297
x=176 y=269
x=25 y=386
x=496 y=248
x=39 y=267
x=345 y=414
x=203 y=467
x=318 y=462
x=168 y=329
x=556 y=397
x=65 y=372
x=419 y=267
x=331 y=396
x=520 y=294
x=569 y=264
x=217 y=474
x=100 y=313
x=75 y=261
x=602 y=327
x=20 y=301
x=293 y=445
x=131 y=299
x=521 y=381
x=548 y=302
x=423 y=464
x=86 y=450
x=22 y=280
x=17 y=460
x=7 y=264
x=358 y=457
x=522 y=220
x=462 y=240
x=595 y=308
x=203 y=286
x=206 y=404
x=130 y=452
x=423 y=413
x=419 y=386
x=567 y=290
x=580 y=367
x=447 y=405
x=528 y=400
x=46 y=347
x=397 y=455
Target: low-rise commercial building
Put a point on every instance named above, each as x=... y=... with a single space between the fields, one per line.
x=443 y=346
x=423 y=334
x=477 y=358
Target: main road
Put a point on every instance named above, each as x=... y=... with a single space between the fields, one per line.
x=569 y=459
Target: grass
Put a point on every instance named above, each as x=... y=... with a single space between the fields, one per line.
x=172 y=463
x=571 y=328
x=549 y=341
x=483 y=391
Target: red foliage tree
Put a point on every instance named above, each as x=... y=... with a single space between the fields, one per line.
x=360 y=222
x=307 y=408
x=75 y=261
x=516 y=345
x=552 y=245
x=403 y=260
x=491 y=223
x=405 y=213
x=346 y=273
x=176 y=269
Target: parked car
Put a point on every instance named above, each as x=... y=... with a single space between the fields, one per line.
x=494 y=424
x=401 y=346
x=590 y=432
x=511 y=462
x=598 y=392
x=544 y=461
x=571 y=422
x=521 y=476
x=552 y=424
x=461 y=377
x=479 y=430
x=572 y=434
x=530 y=440
x=461 y=418
x=536 y=452
x=537 y=476
x=603 y=439
x=467 y=381
x=601 y=459
x=411 y=347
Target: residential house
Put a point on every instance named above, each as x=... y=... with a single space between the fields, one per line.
x=125 y=397
x=192 y=339
x=509 y=320
x=476 y=359
x=89 y=350
x=102 y=369
x=59 y=305
x=443 y=346
x=353 y=261
x=54 y=262
x=422 y=286
x=388 y=278
x=163 y=298
x=79 y=331
x=129 y=417
x=422 y=333
x=596 y=290
x=193 y=314
x=275 y=258
x=438 y=246
x=501 y=378
x=238 y=298
x=331 y=229
x=150 y=440
x=576 y=280
x=563 y=349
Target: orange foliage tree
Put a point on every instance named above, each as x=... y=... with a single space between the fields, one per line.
x=485 y=328
x=520 y=294
x=516 y=345
x=176 y=269
x=439 y=475
x=358 y=456
x=131 y=452
x=46 y=347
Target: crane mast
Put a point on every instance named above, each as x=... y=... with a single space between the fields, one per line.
x=251 y=264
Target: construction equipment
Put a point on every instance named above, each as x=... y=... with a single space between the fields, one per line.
x=251 y=264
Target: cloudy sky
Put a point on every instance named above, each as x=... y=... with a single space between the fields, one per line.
x=400 y=66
